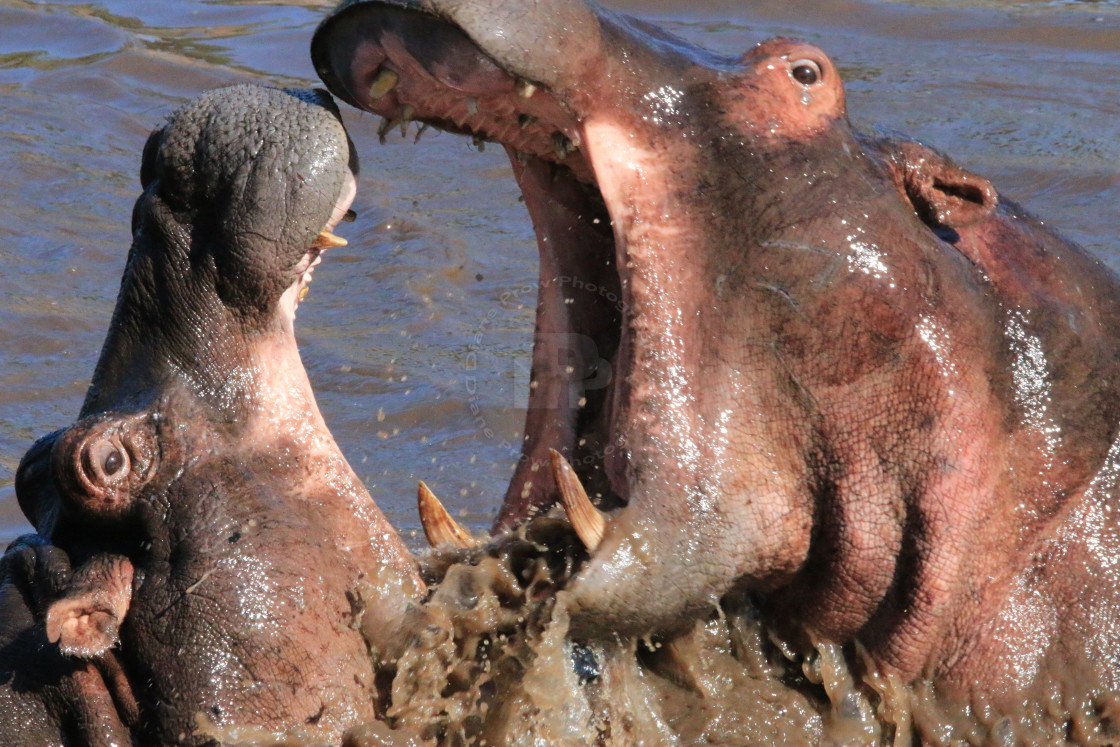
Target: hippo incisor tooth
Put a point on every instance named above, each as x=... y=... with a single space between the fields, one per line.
x=328 y=240
x=406 y=119
x=384 y=128
x=439 y=527
x=525 y=89
x=385 y=81
x=588 y=521
x=562 y=146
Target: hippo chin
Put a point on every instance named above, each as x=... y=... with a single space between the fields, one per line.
x=844 y=379
x=209 y=519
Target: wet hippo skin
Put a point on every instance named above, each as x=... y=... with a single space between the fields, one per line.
x=48 y=697
x=212 y=524
x=847 y=377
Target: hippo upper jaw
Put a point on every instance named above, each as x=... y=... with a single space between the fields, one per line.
x=208 y=266
x=506 y=72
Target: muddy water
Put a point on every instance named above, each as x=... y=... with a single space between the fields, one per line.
x=417 y=335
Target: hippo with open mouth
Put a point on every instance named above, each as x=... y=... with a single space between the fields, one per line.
x=199 y=510
x=844 y=379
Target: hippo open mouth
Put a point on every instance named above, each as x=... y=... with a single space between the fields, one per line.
x=404 y=63
x=325 y=240
x=638 y=380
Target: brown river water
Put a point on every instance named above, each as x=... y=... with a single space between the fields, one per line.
x=429 y=310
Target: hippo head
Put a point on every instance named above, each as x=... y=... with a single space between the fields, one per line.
x=807 y=390
x=200 y=458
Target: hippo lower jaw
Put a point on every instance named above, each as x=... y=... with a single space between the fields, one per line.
x=645 y=443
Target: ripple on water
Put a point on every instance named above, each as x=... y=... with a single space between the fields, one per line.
x=47 y=37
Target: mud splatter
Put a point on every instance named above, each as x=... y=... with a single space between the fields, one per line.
x=489 y=662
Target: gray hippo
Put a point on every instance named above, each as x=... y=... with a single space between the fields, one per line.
x=215 y=570
x=845 y=380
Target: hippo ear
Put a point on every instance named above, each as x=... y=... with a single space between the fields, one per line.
x=86 y=620
x=942 y=193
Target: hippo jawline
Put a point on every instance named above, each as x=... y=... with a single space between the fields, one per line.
x=392 y=59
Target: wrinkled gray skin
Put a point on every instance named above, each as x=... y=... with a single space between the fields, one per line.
x=844 y=380
x=200 y=498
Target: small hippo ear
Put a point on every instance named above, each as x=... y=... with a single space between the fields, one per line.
x=942 y=193
x=86 y=620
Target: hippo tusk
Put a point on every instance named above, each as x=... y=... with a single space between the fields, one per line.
x=525 y=89
x=385 y=127
x=385 y=81
x=328 y=240
x=588 y=521
x=439 y=527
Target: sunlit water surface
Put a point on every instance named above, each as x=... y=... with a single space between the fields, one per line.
x=430 y=308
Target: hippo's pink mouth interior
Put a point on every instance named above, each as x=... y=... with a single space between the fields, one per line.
x=408 y=66
x=324 y=241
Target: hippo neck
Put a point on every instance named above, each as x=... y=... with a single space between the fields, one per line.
x=171 y=332
x=180 y=351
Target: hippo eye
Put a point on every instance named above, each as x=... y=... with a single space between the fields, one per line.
x=113 y=462
x=107 y=461
x=805 y=72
